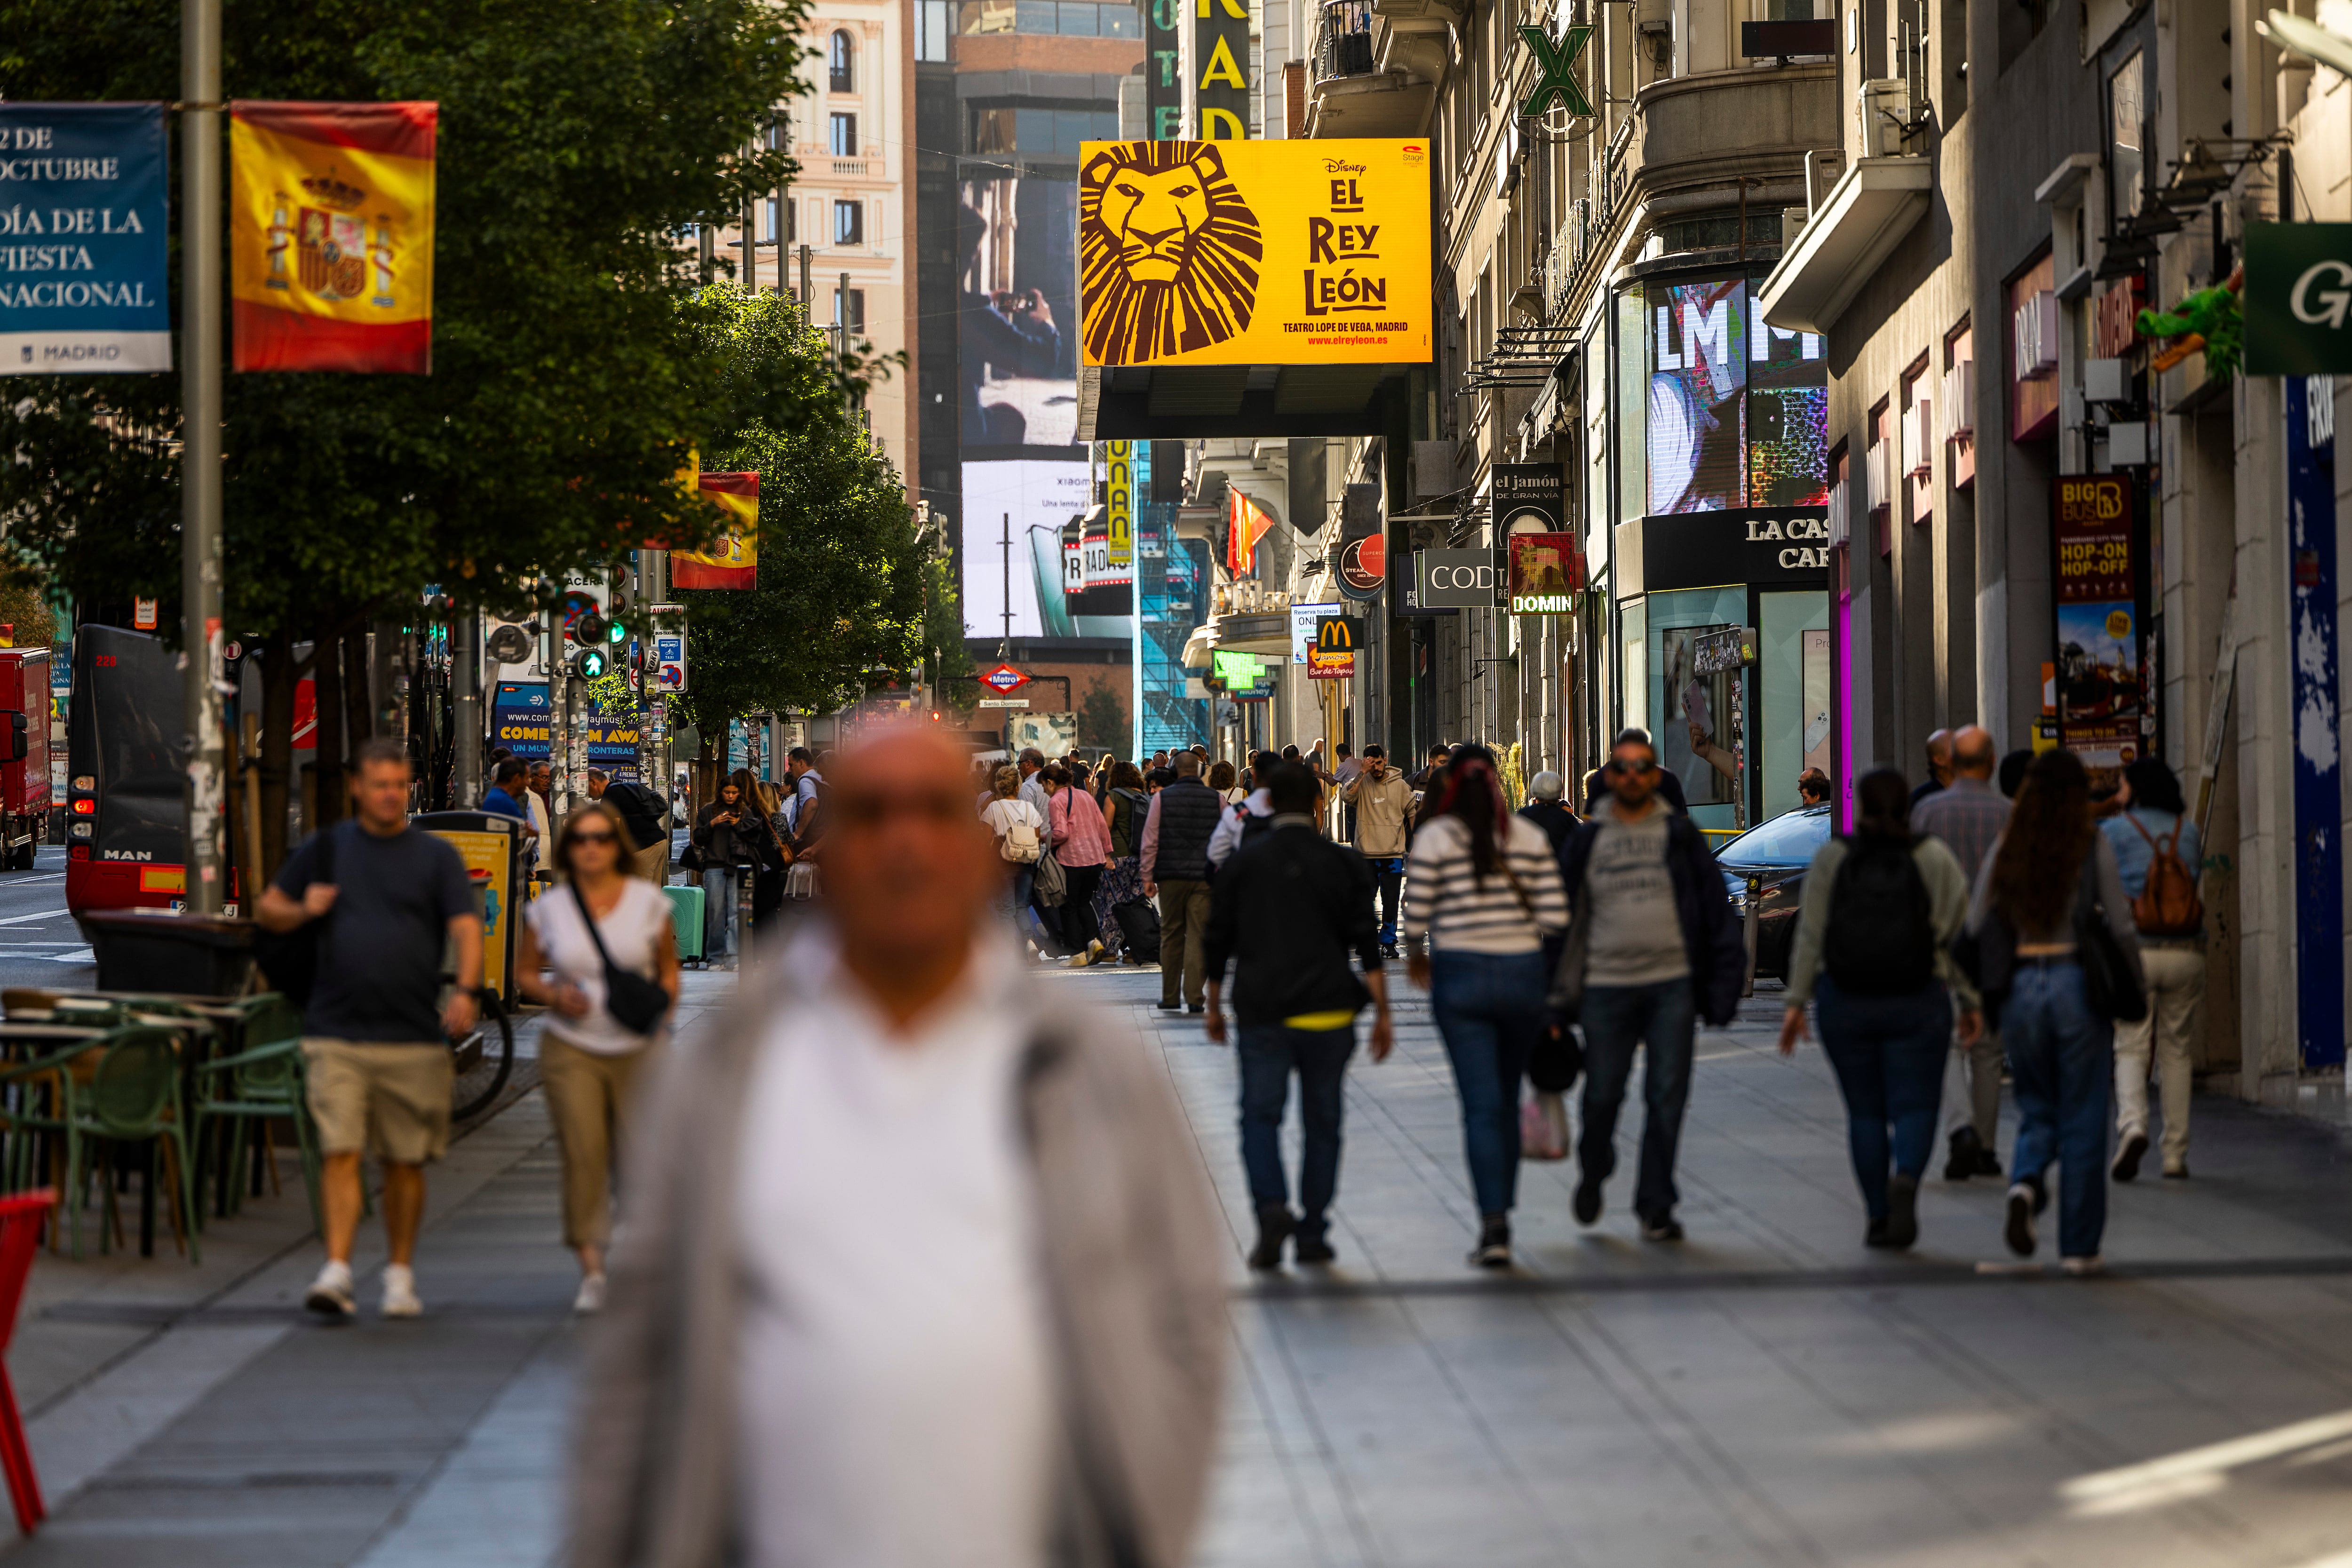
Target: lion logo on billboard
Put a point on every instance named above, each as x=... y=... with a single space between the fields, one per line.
x=1168 y=251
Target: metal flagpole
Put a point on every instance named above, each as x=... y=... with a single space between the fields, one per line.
x=200 y=449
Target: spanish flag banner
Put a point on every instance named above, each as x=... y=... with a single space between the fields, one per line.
x=734 y=561
x=331 y=235
x=1249 y=523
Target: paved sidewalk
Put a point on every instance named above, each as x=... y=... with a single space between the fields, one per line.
x=1768 y=1392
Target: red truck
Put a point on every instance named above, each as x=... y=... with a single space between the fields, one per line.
x=23 y=755
x=127 y=815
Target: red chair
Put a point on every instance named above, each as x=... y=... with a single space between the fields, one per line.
x=22 y=1216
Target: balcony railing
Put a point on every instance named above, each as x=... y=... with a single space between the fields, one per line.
x=1343 y=39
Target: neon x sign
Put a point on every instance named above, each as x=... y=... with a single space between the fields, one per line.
x=1557 y=79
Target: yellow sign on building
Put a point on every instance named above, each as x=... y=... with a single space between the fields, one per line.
x=1255 y=252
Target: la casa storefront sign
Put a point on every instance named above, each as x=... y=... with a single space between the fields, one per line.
x=1812 y=551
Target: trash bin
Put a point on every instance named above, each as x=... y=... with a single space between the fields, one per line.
x=162 y=950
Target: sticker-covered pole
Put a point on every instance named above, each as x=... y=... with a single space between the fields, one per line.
x=200 y=451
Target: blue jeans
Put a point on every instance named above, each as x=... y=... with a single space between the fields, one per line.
x=1389 y=874
x=1663 y=1015
x=718 y=910
x=1888 y=1054
x=1489 y=1009
x=1270 y=1053
x=2061 y=1066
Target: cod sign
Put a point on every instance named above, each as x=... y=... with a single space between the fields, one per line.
x=2298 y=295
x=1456 y=579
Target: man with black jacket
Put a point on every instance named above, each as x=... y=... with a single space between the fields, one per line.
x=1651 y=948
x=643 y=813
x=1290 y=905
x=1175 y=870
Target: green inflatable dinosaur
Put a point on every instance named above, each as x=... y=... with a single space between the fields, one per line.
x=2210 y=318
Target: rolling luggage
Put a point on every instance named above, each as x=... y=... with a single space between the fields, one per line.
x=1138 y=928
x=685 y=916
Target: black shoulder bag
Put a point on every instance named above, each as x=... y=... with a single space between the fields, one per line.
x=2109 y=987
x=289 y=959
x=636 y=1003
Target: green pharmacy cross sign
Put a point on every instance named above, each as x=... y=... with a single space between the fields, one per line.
x=1558 y=63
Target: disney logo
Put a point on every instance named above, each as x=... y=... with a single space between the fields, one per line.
x=1340 y=166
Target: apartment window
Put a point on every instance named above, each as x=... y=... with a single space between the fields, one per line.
x=2126 y=117
x=849 y=223
x=840 y=59
x=855 y=317
x=934 y=20
x=844 y=136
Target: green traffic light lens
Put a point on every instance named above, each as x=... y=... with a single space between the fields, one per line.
x=616 y=633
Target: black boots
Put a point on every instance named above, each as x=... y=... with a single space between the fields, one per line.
x=1275 y=1225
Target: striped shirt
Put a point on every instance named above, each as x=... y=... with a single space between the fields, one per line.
x=1445 y=899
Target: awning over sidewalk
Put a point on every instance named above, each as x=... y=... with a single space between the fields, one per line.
x=1860 y=220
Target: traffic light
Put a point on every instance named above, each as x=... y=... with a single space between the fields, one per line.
x=617 y=632
x=589 y=663
x=588 y=630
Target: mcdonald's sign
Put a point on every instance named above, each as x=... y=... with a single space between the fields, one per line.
x=1333 y=656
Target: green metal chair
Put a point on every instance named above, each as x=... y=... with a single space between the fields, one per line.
x=262 y=1081
x=121 y=1086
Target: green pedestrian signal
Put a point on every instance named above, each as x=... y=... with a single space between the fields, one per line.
x=590 y=664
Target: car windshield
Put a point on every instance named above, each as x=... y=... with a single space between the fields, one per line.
x=1786 y=840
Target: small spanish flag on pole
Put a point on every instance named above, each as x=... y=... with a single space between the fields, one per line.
x=331 y=235
x=734 y=561
x=1249 y=523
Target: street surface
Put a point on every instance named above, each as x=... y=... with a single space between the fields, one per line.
x=39 y=944
x=1768 y=1392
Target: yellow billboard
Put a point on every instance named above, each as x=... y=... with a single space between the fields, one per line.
x=1255 y=252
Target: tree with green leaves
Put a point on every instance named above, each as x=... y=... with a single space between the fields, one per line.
x=576 y=145
x=848 y=595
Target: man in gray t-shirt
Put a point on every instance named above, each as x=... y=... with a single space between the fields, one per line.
x=1637 y=938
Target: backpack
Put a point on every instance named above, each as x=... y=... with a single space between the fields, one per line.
x=2168 y=904
x=1020 y=843
x=1881 y=940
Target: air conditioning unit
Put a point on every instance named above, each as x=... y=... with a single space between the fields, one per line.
x=1878 y=467
x=1918 y=435
x=2034 y=328
x=1957 y=411
x=1654 y=16
x=1885 y=105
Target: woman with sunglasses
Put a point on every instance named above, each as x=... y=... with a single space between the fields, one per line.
x=589 y=1061
x=1481 y=892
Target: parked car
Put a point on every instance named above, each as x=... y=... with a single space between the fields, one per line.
x=1768 y=864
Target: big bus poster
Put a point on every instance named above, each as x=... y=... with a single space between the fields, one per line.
x=2102 y=670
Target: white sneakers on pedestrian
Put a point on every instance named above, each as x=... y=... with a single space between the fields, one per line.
x=329 y=1295
x=400 y=1298
x=2082 y=1267
x=591 y=1299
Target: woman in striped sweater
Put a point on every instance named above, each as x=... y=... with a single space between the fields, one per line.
x=1481 y=891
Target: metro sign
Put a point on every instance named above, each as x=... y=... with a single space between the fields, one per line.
x=1004 y=680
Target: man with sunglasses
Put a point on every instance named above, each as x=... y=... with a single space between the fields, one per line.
x=910 y=1232
x=1651 y=948
x=1667 y=783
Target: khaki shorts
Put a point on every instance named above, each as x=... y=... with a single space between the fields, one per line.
x=392 y=1098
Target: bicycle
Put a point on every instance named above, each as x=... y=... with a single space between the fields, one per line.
x=485 y=1057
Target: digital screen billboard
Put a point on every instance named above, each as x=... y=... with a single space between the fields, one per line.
x=1737 y=410
x=1017 y=311
x=1015 y=514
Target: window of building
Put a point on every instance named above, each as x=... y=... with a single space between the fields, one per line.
x=841 y=55
x=1069 y=18
x=844 y=136
x=934 y=20
x=849 y=223
x=1041 y=132
x=2127 y=127
x=855 y=315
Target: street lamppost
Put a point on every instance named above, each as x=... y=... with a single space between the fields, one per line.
x=200 y=447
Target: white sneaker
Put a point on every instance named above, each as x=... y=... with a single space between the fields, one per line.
x=329 y=1295
x=2082 y=1267
x=591 y=1299
x=400 y=1298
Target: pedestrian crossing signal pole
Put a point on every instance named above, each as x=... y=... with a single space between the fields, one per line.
x=200 y=447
